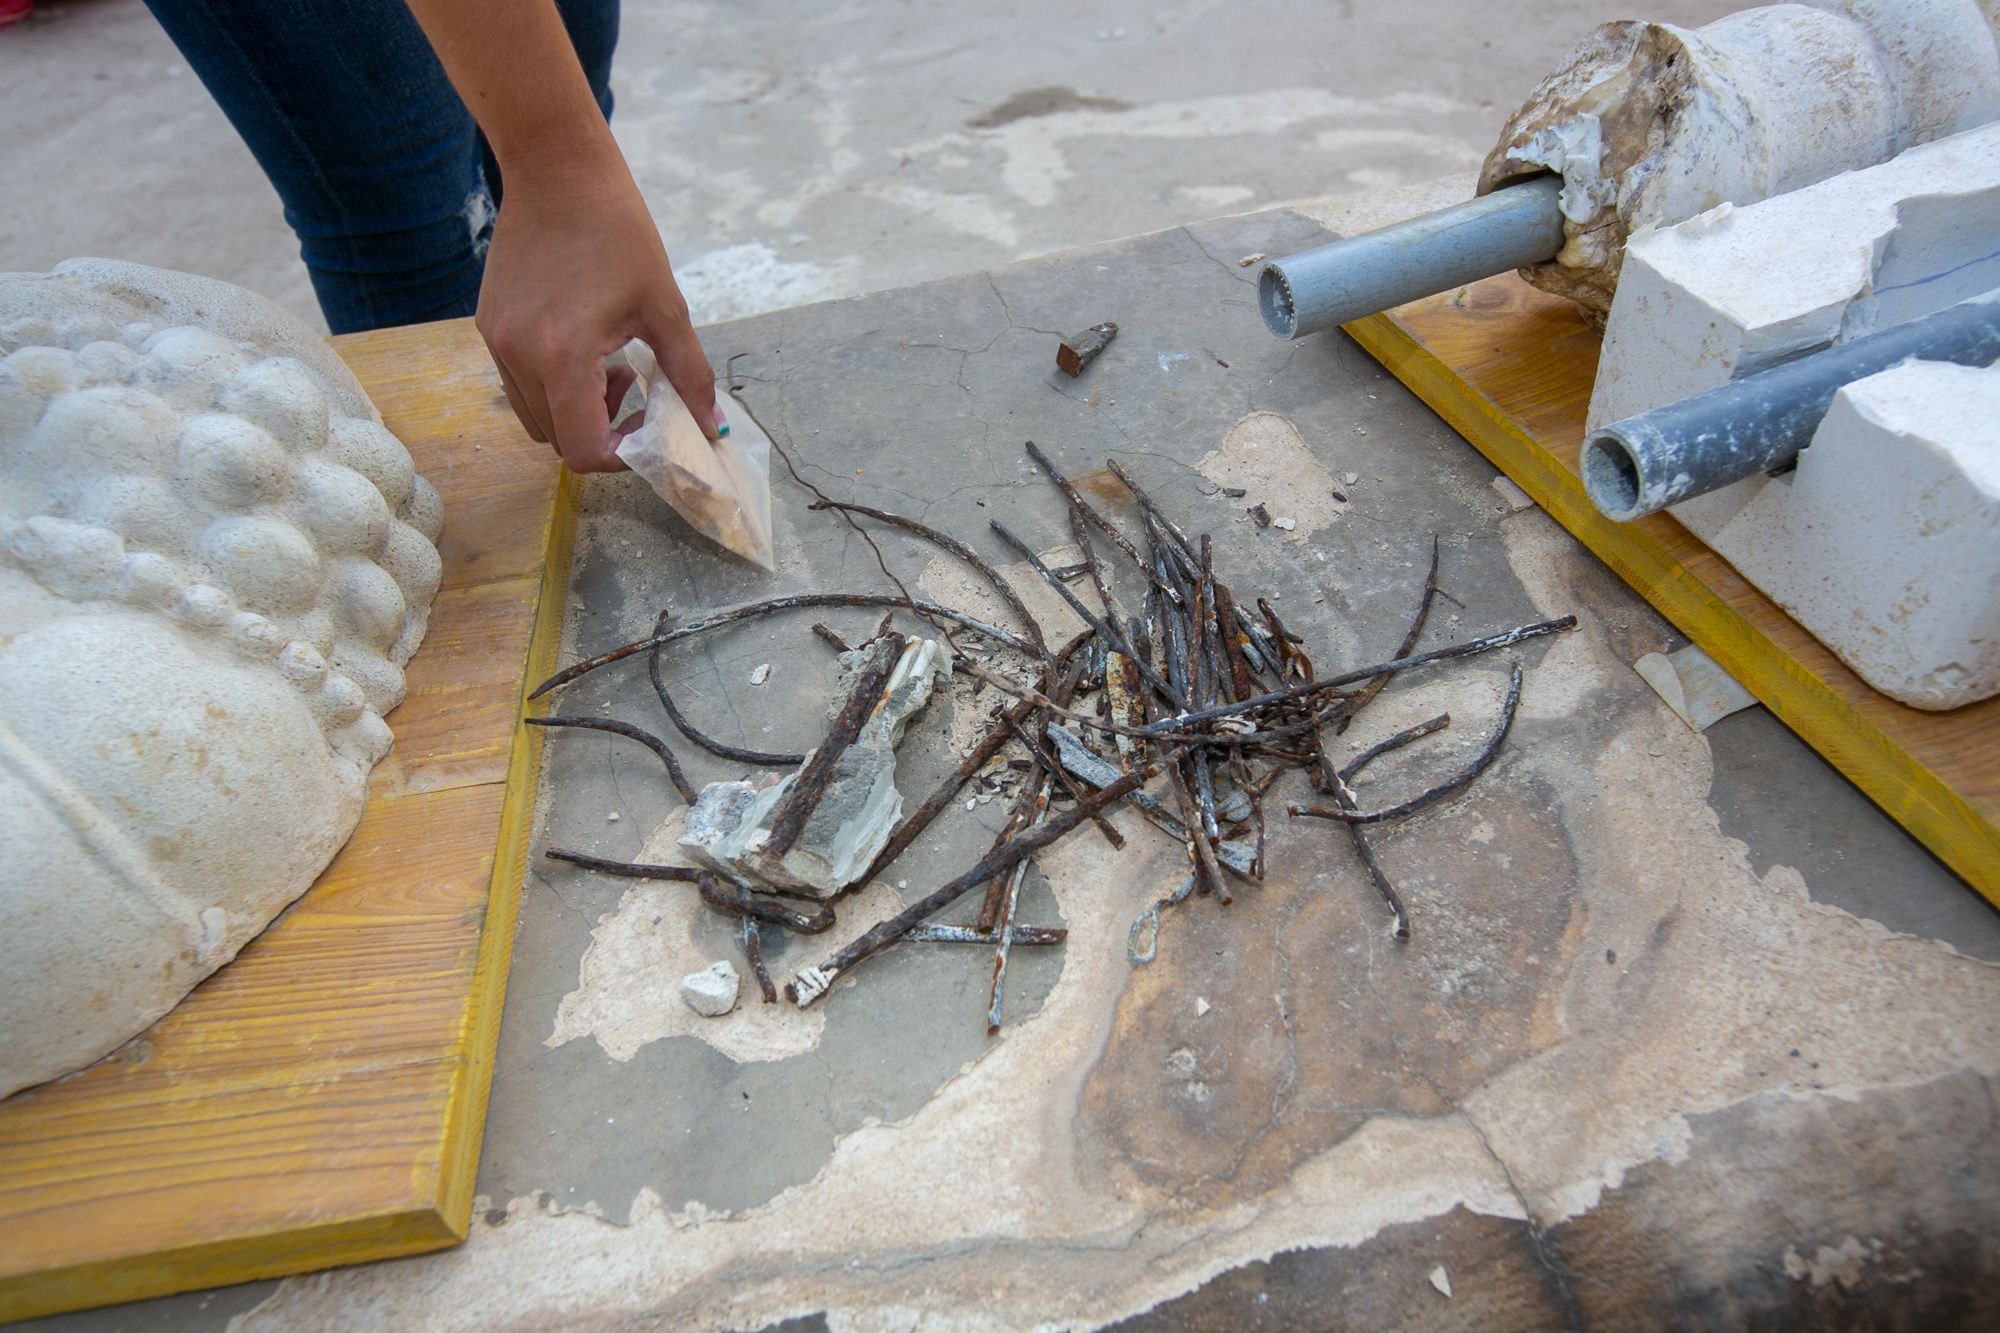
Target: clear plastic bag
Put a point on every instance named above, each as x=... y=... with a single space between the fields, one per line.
x=721 y=487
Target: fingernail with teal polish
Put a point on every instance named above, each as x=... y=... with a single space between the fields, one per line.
x=722 y=430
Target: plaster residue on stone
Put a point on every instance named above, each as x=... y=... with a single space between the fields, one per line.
x=628 y=983
x=1594 y=966
x=1265 y=456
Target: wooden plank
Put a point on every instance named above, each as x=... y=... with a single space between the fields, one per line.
x=320 y=1100
x=1511 y=369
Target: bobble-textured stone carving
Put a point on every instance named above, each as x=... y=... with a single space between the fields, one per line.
x=214 y=562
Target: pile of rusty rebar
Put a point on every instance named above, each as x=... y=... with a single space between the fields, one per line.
x=1189 y=706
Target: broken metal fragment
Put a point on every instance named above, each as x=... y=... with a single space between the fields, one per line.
x=1019 y=935
x=788 y=819
x=1079 y=351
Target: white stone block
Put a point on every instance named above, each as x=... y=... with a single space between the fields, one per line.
x=1885 y=542
x=1738 y=289
x=1880 y=543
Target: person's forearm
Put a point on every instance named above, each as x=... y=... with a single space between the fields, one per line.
x=575 y=269
x=513 y=66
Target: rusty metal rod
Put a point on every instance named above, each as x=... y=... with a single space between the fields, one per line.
x=792 y=602
x=687 y=728
x=630 y=733
x=789 y=820
x=810 y=983
x=1457 y=782
x=934 y=805
x=933 y=933
x=1311 y=687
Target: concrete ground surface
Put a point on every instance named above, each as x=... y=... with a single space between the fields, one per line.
x=1687 y=1032
x=796 y=153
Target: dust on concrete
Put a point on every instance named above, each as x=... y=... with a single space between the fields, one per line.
x=1560 y=1018
x=950 y=581
x=1265 y=457
x=628 y=982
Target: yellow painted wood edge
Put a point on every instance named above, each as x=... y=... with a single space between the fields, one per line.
x=1908 y=792
x=465 y=1122
x=217 y=1263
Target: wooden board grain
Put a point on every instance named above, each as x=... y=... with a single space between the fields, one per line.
x=319 y=1101
x=1511 y=369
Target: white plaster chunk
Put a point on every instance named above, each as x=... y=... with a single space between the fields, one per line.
x=1838 y=541
x=1512 y=495
x=730 y=823
x=214 y=562
x=1691 y=684
x=711 y=992
x=1649 y=124
x=1885 y=542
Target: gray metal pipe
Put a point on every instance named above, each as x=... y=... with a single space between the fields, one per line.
x=1359 y=275
x=1646 y=462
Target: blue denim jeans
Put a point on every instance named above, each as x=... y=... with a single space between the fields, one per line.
x=384 y=176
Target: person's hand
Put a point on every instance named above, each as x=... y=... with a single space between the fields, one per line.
x=576 y=270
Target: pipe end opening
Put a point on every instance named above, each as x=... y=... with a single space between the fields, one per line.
x=1274 y=299
x=1611 y=476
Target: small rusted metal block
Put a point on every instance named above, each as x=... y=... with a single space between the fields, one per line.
x=1080 y=350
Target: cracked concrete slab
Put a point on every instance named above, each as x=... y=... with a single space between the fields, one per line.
x=1646 y=1060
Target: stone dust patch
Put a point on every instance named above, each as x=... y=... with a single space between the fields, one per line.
x=628 y=983
x=951 y=582
x=1264 y=456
